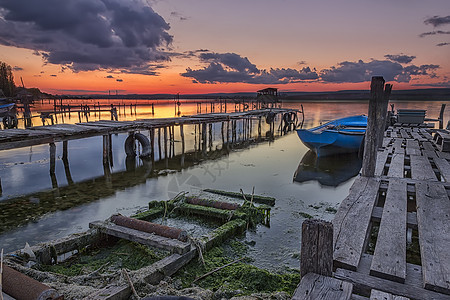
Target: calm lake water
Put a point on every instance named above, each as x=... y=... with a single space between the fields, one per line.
x=36 y=206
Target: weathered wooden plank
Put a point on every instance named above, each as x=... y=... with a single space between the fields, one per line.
x=421 y=168
x=412 y=147
x=397 y=146
x=142 y=237
x=365 y=283
x=418 y=137
x=111 y=292
x=433 y=216
x=352 y=221
x=411 y=217
x=428 y=146
x=445 y=155
x=386 y=141
x=444 y=168
x=381 y=161
x=389 y=260
x=379 y=295
x=314 y=287
x=396 y=167
x=428 y=153
x=403 y=133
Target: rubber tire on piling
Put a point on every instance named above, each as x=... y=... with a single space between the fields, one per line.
x=130 y=148
x=10 y=121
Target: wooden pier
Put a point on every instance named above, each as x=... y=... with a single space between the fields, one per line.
x=403 y=205
x=16 y=138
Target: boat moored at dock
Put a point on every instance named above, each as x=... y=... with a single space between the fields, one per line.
x=343 y=135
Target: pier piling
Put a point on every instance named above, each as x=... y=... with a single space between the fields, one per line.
x=317 y=248
x=379 y=97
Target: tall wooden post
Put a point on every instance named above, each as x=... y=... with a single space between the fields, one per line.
x=159 y=143
x=65 y=160
x=204 y=142
x=378 y=95
x=182 y=145
x=53 y=165
x=152 y=144
x=441 y=116
x=165 y=143
x=317 y=248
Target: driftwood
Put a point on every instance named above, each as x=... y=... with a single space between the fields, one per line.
x=131 y=283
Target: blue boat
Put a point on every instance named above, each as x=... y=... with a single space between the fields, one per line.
x=343 y=135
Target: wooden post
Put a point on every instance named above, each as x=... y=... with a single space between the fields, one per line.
x=152 y=143
x=441 y=116
x=317 y=248
x=165 y=143
x=210 y=136
x=182 y=145
x=371 y=140
x=65 y=160
x=381 y=122
x=182 y=138
x=159 y=143
x=53 y=165
x=204 y=138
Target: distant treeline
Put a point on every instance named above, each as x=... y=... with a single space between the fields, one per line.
x=436 y=94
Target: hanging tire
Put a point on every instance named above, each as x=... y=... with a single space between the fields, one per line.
x=270 y=117
x=130 y=145
x=10 y=121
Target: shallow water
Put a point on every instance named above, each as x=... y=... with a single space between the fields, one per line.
x=36 y=206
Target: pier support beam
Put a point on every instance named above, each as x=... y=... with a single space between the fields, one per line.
x=65 y=160
x=53 y=165
x=379 y=97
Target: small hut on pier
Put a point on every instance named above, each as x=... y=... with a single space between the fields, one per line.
x=267 y=97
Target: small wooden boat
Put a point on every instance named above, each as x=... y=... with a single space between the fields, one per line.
x=343 y=135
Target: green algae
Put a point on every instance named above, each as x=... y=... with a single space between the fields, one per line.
x=123 y=254
x=241 y=276
x=305 y=215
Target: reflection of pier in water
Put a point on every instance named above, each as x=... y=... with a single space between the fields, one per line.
x=211 y=141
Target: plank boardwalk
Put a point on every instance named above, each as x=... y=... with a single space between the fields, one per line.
x=410 y=191
x=405 y=206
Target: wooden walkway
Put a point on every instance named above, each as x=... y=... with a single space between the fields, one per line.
x=406 y=204
x=15 y=138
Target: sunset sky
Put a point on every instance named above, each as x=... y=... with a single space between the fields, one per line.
x=205 y=46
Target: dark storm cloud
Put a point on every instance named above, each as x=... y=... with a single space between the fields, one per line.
x=17 y=68
x=442 y=44
x=437 y=21
x=53 y=75
x=361 y=71
x=433 y=33
x=86 y=34
x=119 y=80
x=109 y=76
x=231 y=67
x=400 y=58
x=231 y=60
